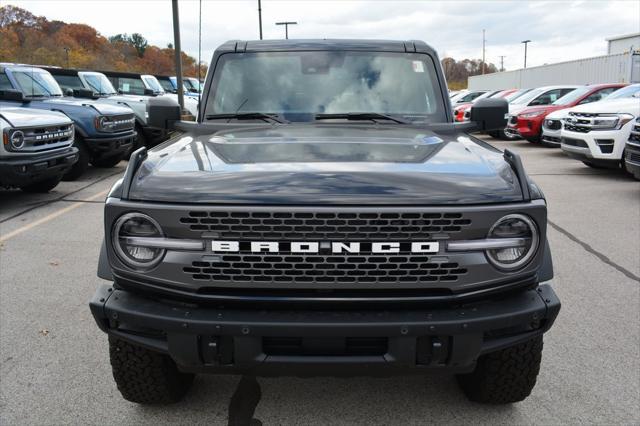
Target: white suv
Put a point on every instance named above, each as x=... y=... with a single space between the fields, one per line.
x=596 y=133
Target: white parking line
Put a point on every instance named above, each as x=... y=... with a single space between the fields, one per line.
x=51 y=216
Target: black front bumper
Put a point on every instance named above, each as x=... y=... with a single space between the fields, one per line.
x=25 y=170
x=302 y=343
x=632 y=158
x=109 y=146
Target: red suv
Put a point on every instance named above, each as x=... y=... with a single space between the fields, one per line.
x=529 y=121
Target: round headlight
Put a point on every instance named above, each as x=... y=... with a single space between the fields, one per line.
x=128 y=236
x=514 y=226
x=17 y=139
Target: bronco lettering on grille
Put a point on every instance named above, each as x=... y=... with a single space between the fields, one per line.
x=329 y=247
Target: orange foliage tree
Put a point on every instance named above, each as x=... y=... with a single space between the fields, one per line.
x=30 y=39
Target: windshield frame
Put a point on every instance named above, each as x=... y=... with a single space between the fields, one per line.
x=27 y=92
x=441 y=112
x=83 y=76
x=149 y=81
x=635 y=88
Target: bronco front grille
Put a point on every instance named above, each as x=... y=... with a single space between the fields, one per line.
x=309 y=226
x=319 y=268
x=45 y=138
x=122 y=122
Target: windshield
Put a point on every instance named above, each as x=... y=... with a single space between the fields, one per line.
x=152 y=83
x=625 y=92
x=515 y=95
x=573 y=96
x=327 y=82
x=99 y=83
x=192 y=83
x=524 y=99
x=166 y=85
x=37 y=83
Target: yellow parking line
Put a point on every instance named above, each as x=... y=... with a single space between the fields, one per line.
x=51 y=216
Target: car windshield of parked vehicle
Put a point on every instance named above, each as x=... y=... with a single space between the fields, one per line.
x=192 y=84
x=573 y=96
x=327 y=82
x=36 y=83
x=153 y=84
x=166 y=84
x=99 y=83
x=528 y=97
x=69 y=81
x=626 y=92
x=515 y=95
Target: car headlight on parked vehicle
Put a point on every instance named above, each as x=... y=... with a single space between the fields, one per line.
x=105 y=124
x=516 y=228
x=133 y=240
x=532 y=114
x=14 y=139
x=610 y=121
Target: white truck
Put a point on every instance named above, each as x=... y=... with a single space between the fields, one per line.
x=596 y=133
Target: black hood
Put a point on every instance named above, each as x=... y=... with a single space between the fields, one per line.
x=326 y=164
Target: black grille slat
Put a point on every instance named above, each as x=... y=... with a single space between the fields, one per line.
x=319 y=268
x=325 y=226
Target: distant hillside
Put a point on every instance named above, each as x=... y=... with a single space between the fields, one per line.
x=30 y=39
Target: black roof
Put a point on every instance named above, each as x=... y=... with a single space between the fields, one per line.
x=327 y=44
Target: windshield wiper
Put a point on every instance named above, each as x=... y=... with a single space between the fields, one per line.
x=362 y=116
x=248 y=116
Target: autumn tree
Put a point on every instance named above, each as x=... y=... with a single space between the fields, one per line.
x=26 y=38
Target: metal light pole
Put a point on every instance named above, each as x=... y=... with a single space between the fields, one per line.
x=260 y=17
x=525 y=51
x=483 y=50
x=502 y=63
x=286 y=27
x=176 y=45
x=66 y=51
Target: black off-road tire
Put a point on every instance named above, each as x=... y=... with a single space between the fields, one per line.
x=505 y=376
x=107 y=162
x=146 y=377
x=82 y=164
x=42 y=186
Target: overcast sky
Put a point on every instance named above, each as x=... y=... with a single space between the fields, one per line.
x=559 y=30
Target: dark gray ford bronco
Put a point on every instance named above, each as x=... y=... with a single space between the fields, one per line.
x=325 y=215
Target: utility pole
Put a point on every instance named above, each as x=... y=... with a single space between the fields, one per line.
x=260 y=17
x=502 y=63
x=178 y=50
x=66 y=51
x=525 y=51
x=483 y=50
x=286 y=27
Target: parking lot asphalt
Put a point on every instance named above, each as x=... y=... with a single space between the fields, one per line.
x=54 y=365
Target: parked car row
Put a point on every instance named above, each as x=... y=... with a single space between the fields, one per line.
x=592 y=123
x=55 y=122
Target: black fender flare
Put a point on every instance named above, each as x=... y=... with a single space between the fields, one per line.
x=104 y=270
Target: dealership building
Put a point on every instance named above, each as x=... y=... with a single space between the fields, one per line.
x=620 y=65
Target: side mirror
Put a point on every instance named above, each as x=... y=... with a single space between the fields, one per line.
x=192 y=90
x=68 y=91
x=84 y=93
x=149 y=92
x=490 y=114
x=164 y=112
x=12 y=95
x=120 y=92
